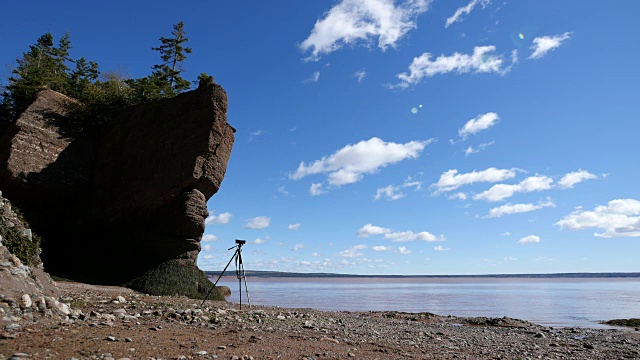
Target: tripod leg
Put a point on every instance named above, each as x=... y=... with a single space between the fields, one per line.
x=218 y=279
x=242 y=275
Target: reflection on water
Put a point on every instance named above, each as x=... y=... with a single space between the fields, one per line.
x=550 y=302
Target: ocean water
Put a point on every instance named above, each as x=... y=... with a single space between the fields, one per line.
x=550 y=302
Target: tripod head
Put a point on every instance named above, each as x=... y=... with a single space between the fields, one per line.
x=239 y=244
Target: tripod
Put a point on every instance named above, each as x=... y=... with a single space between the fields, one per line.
x=237 y=255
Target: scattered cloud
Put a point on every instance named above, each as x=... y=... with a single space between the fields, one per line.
x=316 y=189
x=316 y=254
x=353 y=251
x=481 y=61
x=381 y=248
x=223 y=218
x=294 y=226
x=451 y=180
x=350 y=22
x=371 y=230
x=283 y=191
x=404 y=236
x=441 y=248
x=258 y=241
x=465 y=10
x=477 y=124
x=297 y=247
x=529 y=239
x=393 y=192
x=258 y=222
x=510 y=259
x=510 y=209
x=314 y=78
x=349 y=164
x=360 y=75
x=207 y=247
x=209 y=238
x=402 y=250
x=256 y=133
x=458 y=195
x=506 y=234
x=502 y=191
x=543 y=44
x=575 y=177
x=390 y=193
x=619 y=218
x=471 y=150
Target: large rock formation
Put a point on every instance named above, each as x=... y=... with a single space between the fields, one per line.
x=125 y=204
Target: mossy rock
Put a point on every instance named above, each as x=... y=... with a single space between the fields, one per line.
x=633 y=322
x=173 y=279
x=27 y=250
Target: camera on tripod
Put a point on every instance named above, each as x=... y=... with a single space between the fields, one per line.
x=241 y=242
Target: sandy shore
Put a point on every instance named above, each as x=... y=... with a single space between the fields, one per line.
x=118 y=323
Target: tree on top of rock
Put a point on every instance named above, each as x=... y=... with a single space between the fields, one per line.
x=172 y=53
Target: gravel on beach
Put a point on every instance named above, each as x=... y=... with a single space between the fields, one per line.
x=104 y=322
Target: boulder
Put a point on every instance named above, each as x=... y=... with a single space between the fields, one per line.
x=124 y=203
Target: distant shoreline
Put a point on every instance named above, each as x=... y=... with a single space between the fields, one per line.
x=277 y=274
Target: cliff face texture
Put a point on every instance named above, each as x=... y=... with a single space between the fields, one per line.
x=125 y=204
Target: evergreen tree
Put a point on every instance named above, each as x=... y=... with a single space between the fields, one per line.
x=42 y=65
x=84 y=74
x=172 y=53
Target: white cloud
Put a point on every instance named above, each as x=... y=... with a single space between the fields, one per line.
x=458 y=195
x=353 y=251
x=283 y=191
x=313 y=78
x=502 y=191
x=294 y=226
x=316 y=189
x=258 y=241
x=360 y=74
x=479 y=123
x=258 y=222
x=451 y=180
x=297 y=247
x=352 y=21
x=402 y=250
x=393 y=192
x=390 y=192
x=381 y=248
x=543 y=44
x=471 y=150
x=619 y=218
x=371 y=230
x=223 y=218
x=575 y=177
x=315 y=254
x=349 y=164
x=529 y=239
x=506 y=234
x=207 y=247
x=440 y=248
x=481 y=61
x=409 y=235
x=209 y=237
x=465 y=10
x=510 y=259
x=510 y=209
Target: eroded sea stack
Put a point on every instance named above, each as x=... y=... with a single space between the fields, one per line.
x=124 y=204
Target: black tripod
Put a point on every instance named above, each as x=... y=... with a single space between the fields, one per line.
x=239 y=273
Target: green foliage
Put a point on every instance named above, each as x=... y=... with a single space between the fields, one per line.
x=172 y=53
x=28 y=251
x=101 y=97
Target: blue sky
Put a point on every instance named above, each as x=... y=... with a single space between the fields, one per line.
x=400 y=137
